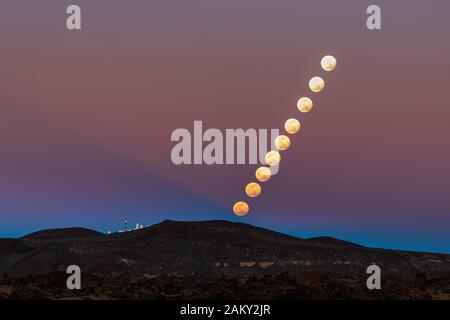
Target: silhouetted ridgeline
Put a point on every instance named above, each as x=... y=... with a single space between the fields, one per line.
x=208 y=249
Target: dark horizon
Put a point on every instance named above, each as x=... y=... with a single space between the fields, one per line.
x=298 y=236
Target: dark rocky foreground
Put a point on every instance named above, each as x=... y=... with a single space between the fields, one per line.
x=315 y=286
x=211 y=260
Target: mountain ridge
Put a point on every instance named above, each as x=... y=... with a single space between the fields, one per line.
x=61 y=233
x=209 y=249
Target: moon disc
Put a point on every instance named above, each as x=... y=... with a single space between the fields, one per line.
x=273 y=158
x=292 y=126
x=253 y=189
x=282 y=142
x=304 y=104
x=328 y=63
x=316 y=84
x=241 y=208
x=263 y=174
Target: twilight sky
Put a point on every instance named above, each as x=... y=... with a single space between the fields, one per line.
x=86 y=116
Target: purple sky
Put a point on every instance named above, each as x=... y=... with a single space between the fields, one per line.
x=87 y=116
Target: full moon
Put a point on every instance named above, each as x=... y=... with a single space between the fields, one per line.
x=328 y=63
x=273 y=158
x=282 y=142
x=263 y=174
x=304 y=104
x=240 y=208
x=292 y=126
x=253 y=189
x=316 y=84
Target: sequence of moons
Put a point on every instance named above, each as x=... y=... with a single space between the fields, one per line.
x=240 y=208
x=263 y=174
x=316 y=84
x=282 y=142
x=253 y=189
x=304 y=104
x=292 y=126
x=273 y=158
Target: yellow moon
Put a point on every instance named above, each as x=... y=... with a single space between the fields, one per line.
x=263 y=174
x=292 y=126
x=273 y=158
x=316 y=84
x=282 y=142
x=253 y=189
x=304 y=104
x=328 y=63
x=240 y=208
